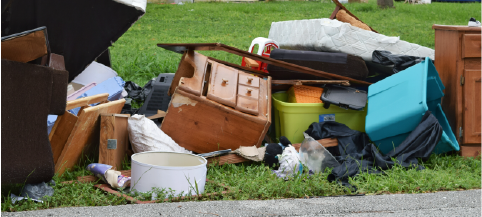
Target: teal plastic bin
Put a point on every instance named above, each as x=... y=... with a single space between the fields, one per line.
x=397 y=104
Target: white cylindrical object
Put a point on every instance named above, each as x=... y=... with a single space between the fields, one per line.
x=178 y=171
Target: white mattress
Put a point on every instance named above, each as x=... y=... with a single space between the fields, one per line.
x=335 y=36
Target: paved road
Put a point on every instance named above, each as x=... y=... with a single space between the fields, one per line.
x=455 y=203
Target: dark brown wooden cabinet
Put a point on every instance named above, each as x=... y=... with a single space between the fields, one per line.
x=457 y=59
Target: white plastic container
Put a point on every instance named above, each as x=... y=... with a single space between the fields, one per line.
x=168 y=170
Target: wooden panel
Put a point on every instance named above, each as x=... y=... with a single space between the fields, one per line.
x=211 y=126
x=190 y=73
x=113 y=126
x=223 y=84
x=472 y=116
x=446 y=47
x=60 y=133
x=470 y=150
x=248 y=80
x=471 y=45
x=83 y=133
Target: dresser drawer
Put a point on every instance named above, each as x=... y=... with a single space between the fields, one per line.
x=471 y=45
x=248 y=80
x=248 y=91
x=248 y=105
x=223 y=84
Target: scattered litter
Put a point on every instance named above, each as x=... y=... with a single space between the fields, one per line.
x=104 y=172
x=289 y=163
x=315 y=156
x=251 y=152
x=35 y=192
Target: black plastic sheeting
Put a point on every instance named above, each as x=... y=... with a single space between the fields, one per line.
x=358 y=154
x=136 y=93
x=399 y=62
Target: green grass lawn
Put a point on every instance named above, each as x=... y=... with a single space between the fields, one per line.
x=136 y=57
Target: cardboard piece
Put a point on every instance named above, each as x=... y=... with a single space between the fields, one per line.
x=114 y=139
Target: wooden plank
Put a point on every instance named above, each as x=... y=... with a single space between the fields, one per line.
x=183 y=47
x=86 y=101
x=301 y=82
x=446 y=44
x=160 y=114
x=83 y=133
x=60 y=133
x=113 y=126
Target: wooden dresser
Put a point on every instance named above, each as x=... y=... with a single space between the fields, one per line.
x=458 y=62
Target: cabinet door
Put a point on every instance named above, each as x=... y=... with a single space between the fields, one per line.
x=471 y=94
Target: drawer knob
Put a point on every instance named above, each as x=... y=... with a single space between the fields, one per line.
x=249 y=90
x=225 y=81
x=249 y=80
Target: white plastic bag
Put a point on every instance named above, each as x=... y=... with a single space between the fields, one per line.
x=145 y=135
x=289 y=163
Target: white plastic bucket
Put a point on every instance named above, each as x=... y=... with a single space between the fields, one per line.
x=178 y=171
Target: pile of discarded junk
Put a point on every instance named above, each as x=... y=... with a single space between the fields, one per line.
x=318 y=93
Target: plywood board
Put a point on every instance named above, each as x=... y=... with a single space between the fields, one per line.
x=60 y=133
x=83 y=133
x=113 y=127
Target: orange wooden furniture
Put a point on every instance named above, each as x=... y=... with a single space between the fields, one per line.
x=457 y=59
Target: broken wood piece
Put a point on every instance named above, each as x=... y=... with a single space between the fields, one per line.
x=114 y=139
x=87 y=101
x=339 y=7
x=60 y=133
x=301 y=82
x=251 y=62
x=85 y=132
x=160 y=114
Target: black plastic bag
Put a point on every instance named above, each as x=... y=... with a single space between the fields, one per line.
x=399 y=62
x=358 y=154
x=137 y=93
